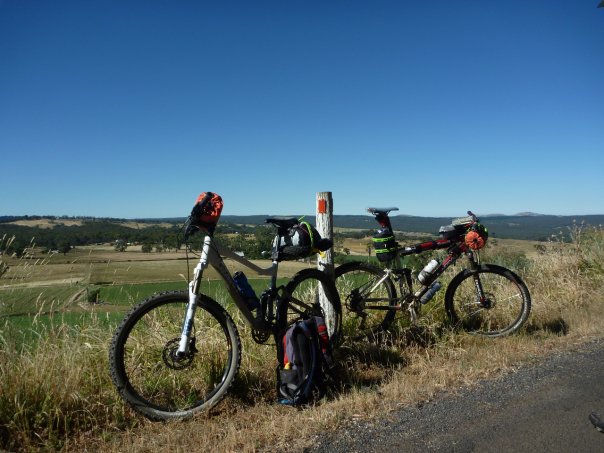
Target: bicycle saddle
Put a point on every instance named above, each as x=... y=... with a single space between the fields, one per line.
x=375 y=211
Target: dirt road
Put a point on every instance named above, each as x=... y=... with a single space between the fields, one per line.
x=542 y=407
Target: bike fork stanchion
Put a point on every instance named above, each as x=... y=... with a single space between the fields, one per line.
x=482 y=300
x=474 y=266
x=187 y=327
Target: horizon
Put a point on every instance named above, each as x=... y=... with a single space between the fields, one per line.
x=130 y=110
x=520 y=214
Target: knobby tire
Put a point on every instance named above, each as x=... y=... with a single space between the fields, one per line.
x=508 y=301
x=302 y=300
x=152 y=379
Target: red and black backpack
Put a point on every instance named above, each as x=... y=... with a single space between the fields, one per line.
x=305 y=357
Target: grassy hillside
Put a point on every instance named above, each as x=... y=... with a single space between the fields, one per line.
x=88 y=231
x=540 y=227
x=56 y=394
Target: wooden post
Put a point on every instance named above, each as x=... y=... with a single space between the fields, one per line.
x=325 y=262
x=325 y=229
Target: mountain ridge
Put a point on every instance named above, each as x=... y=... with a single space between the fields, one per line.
x=534 y=226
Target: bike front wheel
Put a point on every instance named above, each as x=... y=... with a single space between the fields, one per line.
x=368 y=297
x=503 y=309
x=150 y=376
x=311 y=293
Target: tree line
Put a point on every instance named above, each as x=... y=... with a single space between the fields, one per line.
x=16 y=239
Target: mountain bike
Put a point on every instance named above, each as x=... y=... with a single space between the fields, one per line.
x=484 y=299
x=177 y=353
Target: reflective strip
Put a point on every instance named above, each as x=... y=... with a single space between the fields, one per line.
x=309 y=228
x=391 y=238
x=378 y=251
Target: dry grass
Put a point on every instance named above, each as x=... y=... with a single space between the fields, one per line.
x=47 y=223
x=102 y=264
x=51 y=223
x=56 y=394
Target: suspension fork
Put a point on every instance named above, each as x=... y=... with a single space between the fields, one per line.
x=482 y=299
x=194 y=285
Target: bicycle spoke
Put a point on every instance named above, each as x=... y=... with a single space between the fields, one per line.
x=303 y=297
x=503 y=308
x=368 y=298
x=157 y=381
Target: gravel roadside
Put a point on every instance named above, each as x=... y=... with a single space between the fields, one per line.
x=543 y=406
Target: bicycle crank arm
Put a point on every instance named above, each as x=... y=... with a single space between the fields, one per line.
x=382 y=307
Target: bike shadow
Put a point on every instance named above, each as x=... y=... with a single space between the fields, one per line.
x=557 y=326
x=370 y=361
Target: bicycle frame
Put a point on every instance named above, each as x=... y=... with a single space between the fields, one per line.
x=211 y=255
x=456 y=246
x=456 y=250
x=469 y=296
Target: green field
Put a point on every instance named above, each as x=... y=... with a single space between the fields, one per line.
x=41 y=290
x=21 y=306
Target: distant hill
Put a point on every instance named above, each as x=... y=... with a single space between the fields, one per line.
x=530 y=226
x=523 y=226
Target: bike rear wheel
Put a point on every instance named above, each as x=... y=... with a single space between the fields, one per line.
x=304 y=294
x=506 y=306
x=367 y=294
x=148 y=374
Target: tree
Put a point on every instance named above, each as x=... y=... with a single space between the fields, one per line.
x=171 y=243
x=64 y=247
x=19 y=246
x=147 y=247
x=264 y=236
x=120 y=245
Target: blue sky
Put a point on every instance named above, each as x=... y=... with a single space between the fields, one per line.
x=132 y=108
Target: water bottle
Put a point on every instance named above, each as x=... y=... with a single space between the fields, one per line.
x=434 y=287
x=246 y=291
x=427 y=271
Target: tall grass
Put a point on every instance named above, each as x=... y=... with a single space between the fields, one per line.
x=566 y=279
x=56 y=393
x=56 y=386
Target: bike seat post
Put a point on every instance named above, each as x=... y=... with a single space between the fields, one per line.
x=381 y=216
x=383 y=219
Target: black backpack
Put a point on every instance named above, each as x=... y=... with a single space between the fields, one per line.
x=305 y=357
x=300 y=241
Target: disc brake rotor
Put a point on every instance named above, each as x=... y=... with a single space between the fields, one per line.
x=177 y=361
